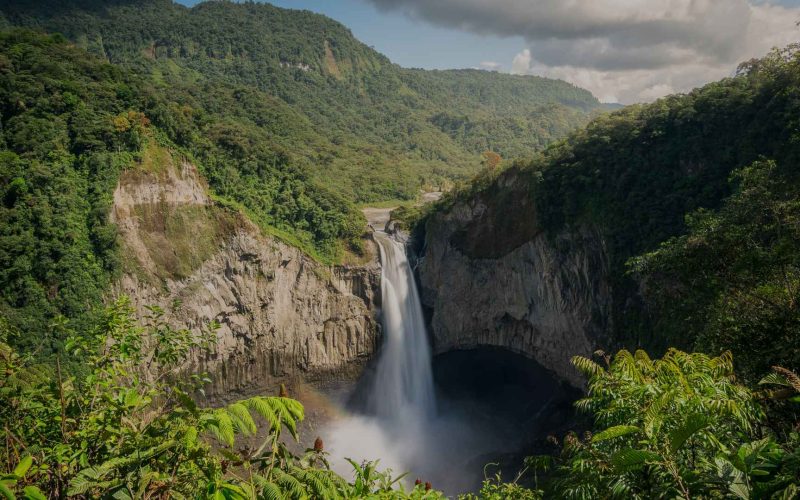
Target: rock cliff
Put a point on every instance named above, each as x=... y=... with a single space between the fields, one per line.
x=282 y=315
x=492 y=278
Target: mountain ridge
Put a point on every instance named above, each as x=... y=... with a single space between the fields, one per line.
x=350 y=94
x=288 y=118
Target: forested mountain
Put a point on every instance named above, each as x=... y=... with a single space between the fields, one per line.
x=299 y=83
x=71 y=124
x=671 y=224
x=289 y=118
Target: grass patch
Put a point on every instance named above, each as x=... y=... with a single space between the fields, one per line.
x=179 y=239
x=155 y=159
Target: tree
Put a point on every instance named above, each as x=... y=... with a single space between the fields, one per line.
x=733 y=281
x=491 y=160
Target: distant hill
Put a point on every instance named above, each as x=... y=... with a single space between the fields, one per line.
x=300 y=83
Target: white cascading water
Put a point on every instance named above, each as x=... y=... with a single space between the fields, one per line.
x=402 y=426
x=400 y=404
x=403 y=387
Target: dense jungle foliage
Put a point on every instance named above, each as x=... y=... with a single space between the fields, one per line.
x=126 y=430
x=681 y=427
x=289 y=118
x=696 y=200
x=676 y=427
x=291 y=121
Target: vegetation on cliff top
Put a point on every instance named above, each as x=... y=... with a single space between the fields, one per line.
x=71 y=124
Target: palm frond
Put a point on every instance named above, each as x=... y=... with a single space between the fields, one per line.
x=690 y=426
x=615 y=432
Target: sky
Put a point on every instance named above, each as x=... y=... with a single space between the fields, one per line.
x=621 y=50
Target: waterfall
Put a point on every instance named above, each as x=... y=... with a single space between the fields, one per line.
x=403 y=386
x=399 y=421
x=400 y=410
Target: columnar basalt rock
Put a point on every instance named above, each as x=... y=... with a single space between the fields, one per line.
x=548 y=298
x=281 y=314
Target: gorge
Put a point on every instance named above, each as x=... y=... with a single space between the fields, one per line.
x=203 y=293
x=259 y=289
x=487 y=405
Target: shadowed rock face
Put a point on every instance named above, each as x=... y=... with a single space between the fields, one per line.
x=548 y=298
x=282 y=315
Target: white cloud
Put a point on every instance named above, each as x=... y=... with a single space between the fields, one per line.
x=491 y=65
x=521 y=63
x=631 y=85
x=631 y=50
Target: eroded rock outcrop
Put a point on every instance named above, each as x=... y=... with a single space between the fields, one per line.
x=492 y=278
x=282 y=315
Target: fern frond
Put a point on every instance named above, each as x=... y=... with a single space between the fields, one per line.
x=584 y=405
x=643 y=359
x=791 y=377
x=267 y=489
x=630 y=459
x=587 y=366
x=653 y=416
x=289 y=411
x=774 y=379
x=90 y=479
x=222 y=427
x=242 y=419
x=723 y=364
x=294 y=407
x=262 y=407
x=290 y=485
x=318 y=481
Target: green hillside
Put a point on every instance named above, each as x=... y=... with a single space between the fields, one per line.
x=71 y=124
x=695 y=198
x=362 y=125
x=289 y=118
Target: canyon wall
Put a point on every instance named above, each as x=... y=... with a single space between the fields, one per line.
x=281 y=315
x=492 y=278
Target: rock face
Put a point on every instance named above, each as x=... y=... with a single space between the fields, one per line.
x=493 y=279
x=282 y=315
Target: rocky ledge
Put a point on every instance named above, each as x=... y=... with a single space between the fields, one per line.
x=491 y=278
x=282 y=315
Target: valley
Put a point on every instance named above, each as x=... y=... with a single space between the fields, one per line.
x=244 y=255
